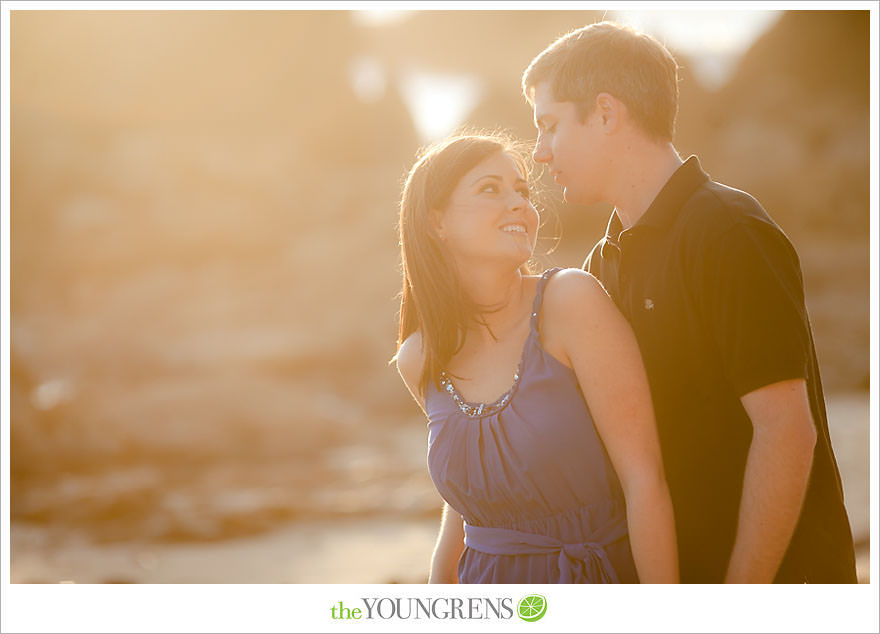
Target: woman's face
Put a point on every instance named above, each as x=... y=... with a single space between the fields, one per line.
x=489 y=217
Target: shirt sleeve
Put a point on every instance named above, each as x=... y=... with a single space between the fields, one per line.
x=753 y=303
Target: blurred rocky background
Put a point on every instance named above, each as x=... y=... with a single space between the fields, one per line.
x=204 y=268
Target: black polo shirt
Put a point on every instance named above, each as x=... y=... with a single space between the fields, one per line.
x=714 y=293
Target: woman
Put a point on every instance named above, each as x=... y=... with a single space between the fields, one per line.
x=538 y=487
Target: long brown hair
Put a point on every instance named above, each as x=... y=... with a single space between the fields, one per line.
x=432 y=300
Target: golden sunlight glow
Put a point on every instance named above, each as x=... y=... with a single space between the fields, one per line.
x=205 y=265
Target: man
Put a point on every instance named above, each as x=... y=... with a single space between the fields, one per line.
x=714 y=293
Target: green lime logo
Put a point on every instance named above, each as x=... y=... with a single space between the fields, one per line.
x=532 y=607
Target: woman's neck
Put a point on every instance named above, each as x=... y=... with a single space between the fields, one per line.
x=501 y=294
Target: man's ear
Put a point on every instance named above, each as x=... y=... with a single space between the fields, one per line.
x=609 y=110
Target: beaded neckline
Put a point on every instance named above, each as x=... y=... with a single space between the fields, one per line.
x=479 y=410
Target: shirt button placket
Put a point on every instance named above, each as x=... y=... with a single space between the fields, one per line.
x=624 y=276
x=623 y=273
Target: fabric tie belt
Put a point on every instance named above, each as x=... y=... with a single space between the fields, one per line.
x=505 y=541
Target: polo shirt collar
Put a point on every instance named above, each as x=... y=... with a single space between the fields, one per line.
x=662 y=211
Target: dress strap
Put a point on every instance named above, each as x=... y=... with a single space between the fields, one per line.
x=539 y=295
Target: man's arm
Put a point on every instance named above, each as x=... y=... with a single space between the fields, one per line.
x=775 y=482
x=754 y=302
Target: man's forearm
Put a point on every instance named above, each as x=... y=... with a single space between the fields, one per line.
x=776 y=476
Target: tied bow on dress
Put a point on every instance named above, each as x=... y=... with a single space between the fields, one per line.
x=504 y=541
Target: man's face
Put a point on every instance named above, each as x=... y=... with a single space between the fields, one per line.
x=575 y=151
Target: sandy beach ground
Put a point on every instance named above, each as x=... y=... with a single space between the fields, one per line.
x=368 y=548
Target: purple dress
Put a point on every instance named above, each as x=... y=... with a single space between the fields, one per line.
x=531 y=478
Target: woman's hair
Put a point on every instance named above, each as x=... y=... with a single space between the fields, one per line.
x=613 y=58
x=432 y=300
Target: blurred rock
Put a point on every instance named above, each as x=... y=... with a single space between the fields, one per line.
x=792 y=125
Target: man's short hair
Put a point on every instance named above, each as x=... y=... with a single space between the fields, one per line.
x=607 y=57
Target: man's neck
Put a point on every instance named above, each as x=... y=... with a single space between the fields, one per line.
x=649 y=167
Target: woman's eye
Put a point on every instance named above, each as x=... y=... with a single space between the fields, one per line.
x=489 y=187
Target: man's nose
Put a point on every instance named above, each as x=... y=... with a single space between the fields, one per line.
x=541 y=153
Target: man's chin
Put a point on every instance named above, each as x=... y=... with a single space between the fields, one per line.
x=570 y=196
x=575 y=197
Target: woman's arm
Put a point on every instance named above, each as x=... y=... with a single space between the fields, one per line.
x=600 y=347
x=450 y=541
x=447 y=551
x=410 y=361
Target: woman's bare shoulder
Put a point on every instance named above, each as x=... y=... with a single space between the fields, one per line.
x=410 y=359
x=573 y=289
x=577 y=307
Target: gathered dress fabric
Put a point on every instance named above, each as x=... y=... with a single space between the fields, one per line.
x=530 y=476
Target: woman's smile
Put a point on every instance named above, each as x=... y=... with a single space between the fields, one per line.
x=517 y=227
